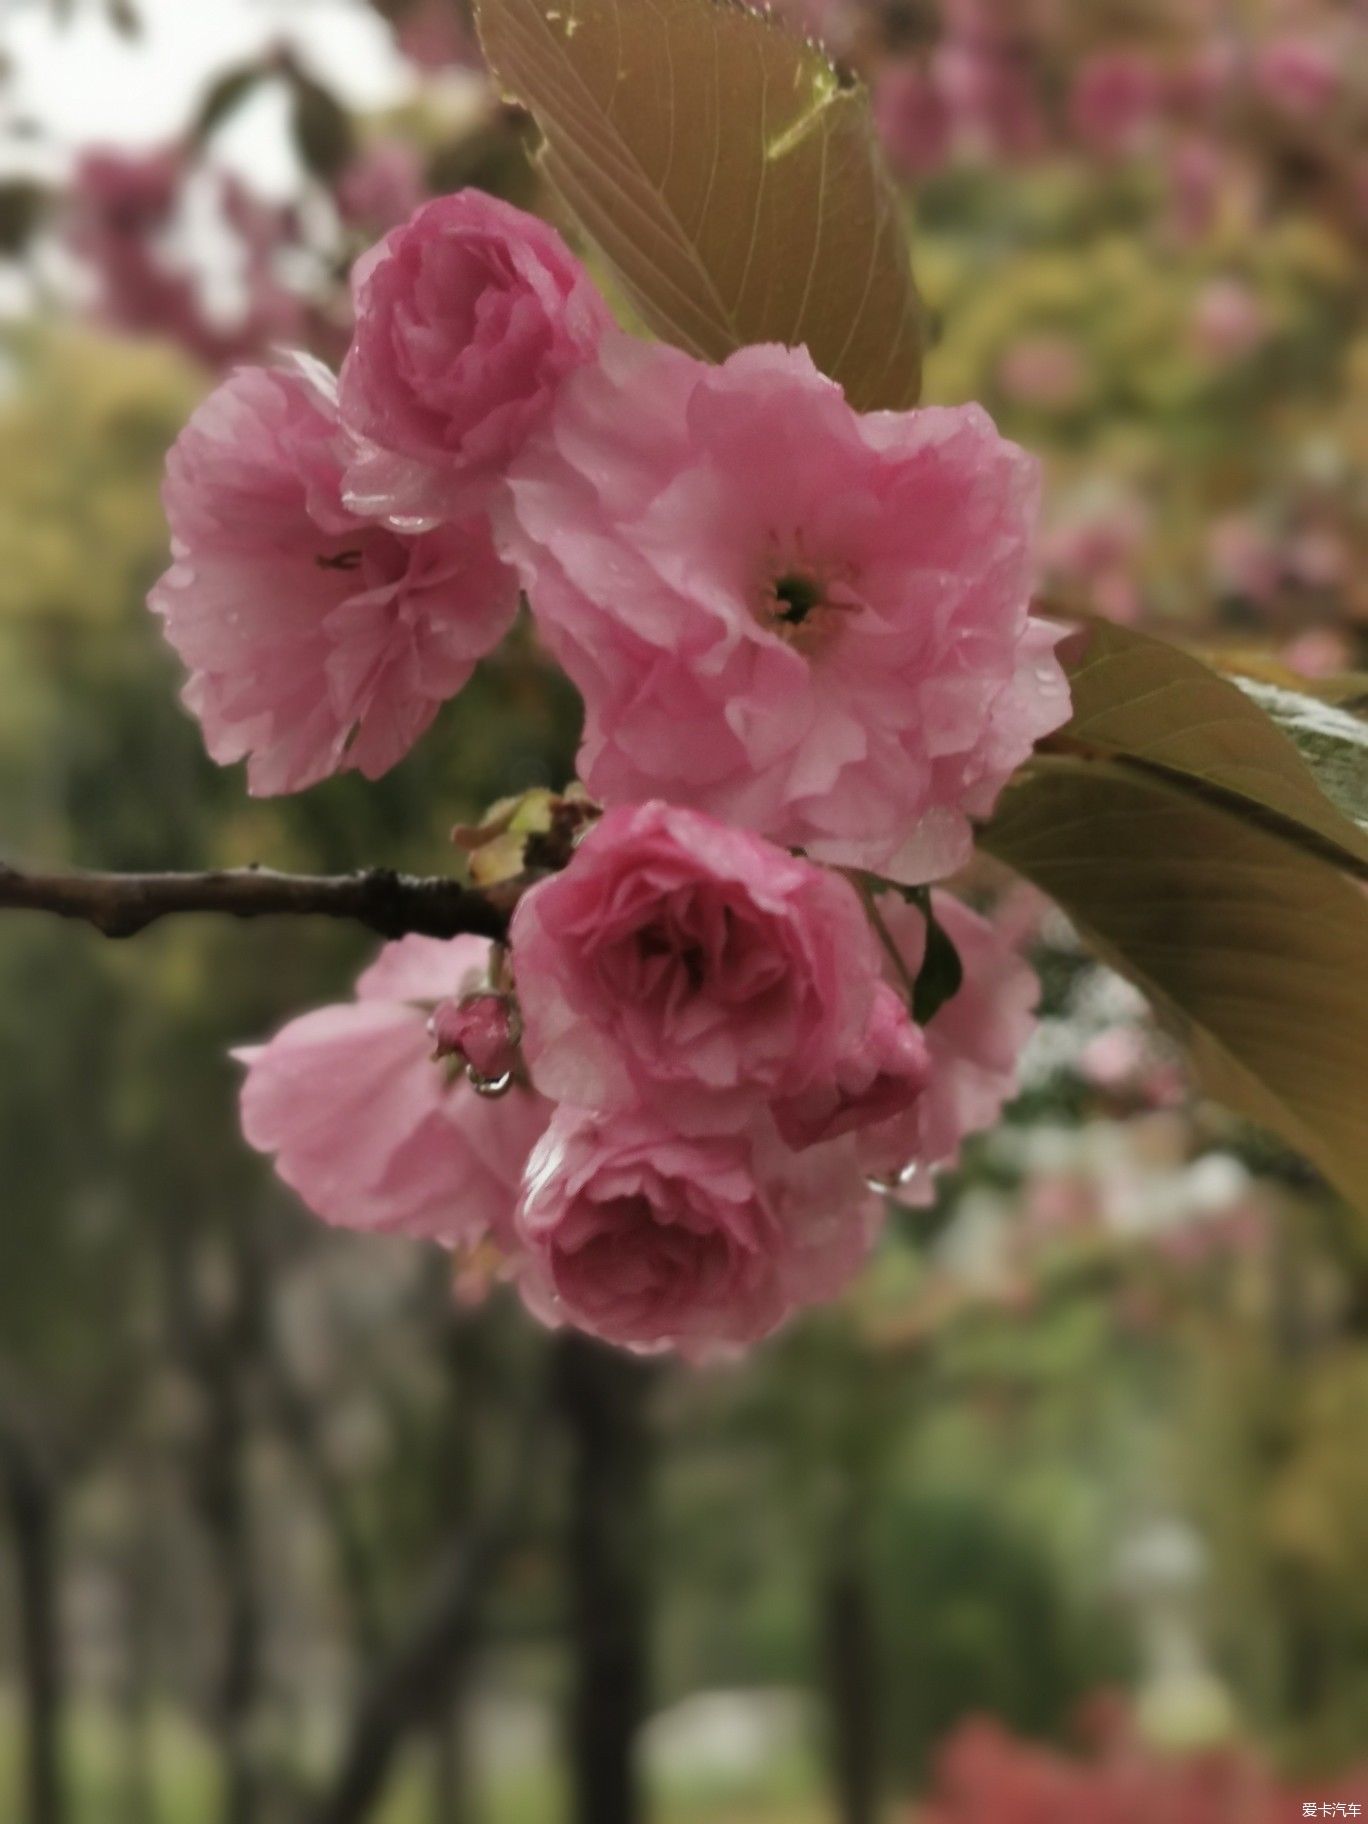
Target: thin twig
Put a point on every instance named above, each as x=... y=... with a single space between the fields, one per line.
x=121 y=905
x=886 y=939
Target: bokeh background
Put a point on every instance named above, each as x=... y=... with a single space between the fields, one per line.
x=1063 y=1515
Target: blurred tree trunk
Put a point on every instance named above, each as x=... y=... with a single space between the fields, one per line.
x=451 y=1796
x=413 y=1679
x=138 y=1796
x=849 y=1648
x=602 y=1397
x=33 y=1502
x=217 y=1347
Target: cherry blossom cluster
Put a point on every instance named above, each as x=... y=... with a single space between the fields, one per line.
x=803 y=640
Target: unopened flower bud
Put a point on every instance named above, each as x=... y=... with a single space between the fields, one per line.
x=482 y=1029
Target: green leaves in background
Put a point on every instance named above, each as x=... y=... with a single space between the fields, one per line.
x=1191 y=845
x=727 y=173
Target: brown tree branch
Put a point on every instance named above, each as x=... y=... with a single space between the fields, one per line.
x=121 y=905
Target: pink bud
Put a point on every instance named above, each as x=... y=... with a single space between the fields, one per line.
x=481 y=1028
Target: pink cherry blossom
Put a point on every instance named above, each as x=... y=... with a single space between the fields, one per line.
x=691 y=965
x=975 y=1041
x=651 y=1239
x=468 y=318
x=805 y=621
x=370 y=1129
x=316 y=641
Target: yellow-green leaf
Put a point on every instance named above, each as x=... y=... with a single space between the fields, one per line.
x=1150 y=707
x=727 y=173
x=1254 y=950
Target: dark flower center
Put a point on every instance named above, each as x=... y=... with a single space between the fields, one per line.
x=797 y=595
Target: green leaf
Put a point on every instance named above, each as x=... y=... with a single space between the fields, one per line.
x=1333 y=742
x=322 y=126
x=1255 y=951
x=941 y=975
x=22 y=205
x=728 y=174
x=224 y=96
x=1153 y=709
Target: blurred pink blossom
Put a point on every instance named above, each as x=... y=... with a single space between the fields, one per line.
x=1298 y=75
x=380 y=187
x=1116 y=102
x=1243 y=558
x=911 y=116
x=1047 y=371
x=1229 y=321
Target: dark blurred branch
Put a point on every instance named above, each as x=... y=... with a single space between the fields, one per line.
x=121 y=905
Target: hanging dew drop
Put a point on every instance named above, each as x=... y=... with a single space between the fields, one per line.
x=490 y=1086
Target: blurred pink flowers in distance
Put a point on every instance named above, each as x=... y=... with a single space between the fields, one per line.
x=653 y=1239
x=1298 y=75
x=1094 y=552
x=316 y=640
x=468 y=318
x=682 y=963
x=380 y=186
x=829 y=640
x=433 y=34
x=1117 y=99
x=1229 y=321
x=1047 y=370
x=370 y=1129
x=911 y=116
x=124 y=224
x=986 y=1775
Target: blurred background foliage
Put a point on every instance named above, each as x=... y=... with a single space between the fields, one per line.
x=1093 y=1422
